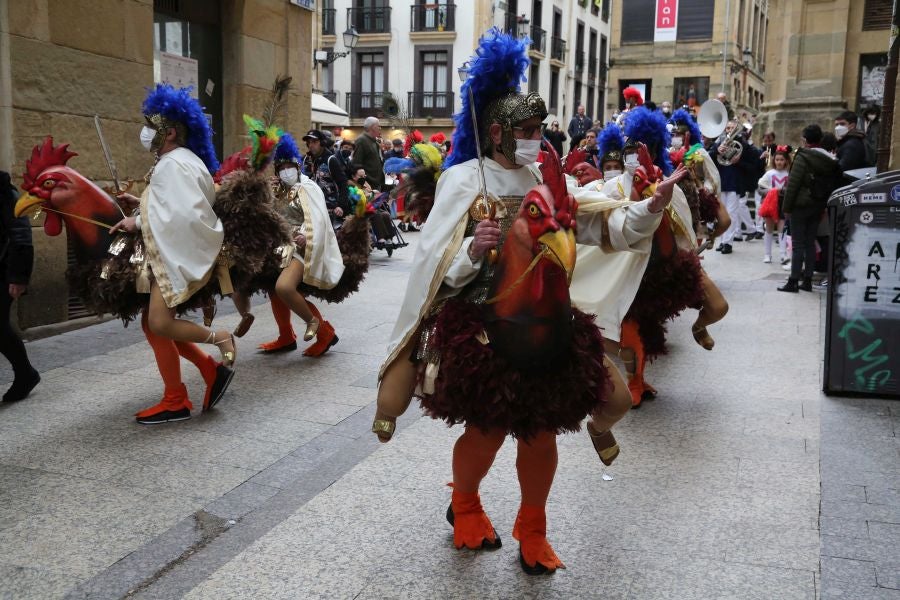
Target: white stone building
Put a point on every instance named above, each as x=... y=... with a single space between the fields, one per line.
x=407 y=54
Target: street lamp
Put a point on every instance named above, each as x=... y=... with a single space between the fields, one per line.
x=463 y=71
x=326 y=57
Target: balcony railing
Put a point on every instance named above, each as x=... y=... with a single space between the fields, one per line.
x=579 y=62
x=370 y=19
x=430 y=104
x=365 y=104
x=511 y=23
x=433 y=17
x=328 y=15
x=592 y=68
x=330 y=95
x=538 y=39
x=558 y=49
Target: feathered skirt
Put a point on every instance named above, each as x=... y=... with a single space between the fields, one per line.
x=670 y=285
x=478 y=387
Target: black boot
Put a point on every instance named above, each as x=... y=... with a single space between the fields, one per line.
x=22 y=386
x=806 y=284
x=790 y=286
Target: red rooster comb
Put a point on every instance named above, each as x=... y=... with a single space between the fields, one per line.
x=239 y=161
x=438 y=138
x=575 y=158
x=412 y=139
x=552 y=173
x=43 y=157
x=634 y=95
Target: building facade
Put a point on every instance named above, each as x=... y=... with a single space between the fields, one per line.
x=687 y=51
x=63 y=62
x=824 y=57
x=403 y=67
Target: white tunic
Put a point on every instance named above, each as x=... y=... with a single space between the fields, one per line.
x=321 y=257
x=182 y=234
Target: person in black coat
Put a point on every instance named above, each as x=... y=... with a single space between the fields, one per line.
x=16 y=261
x=851 y=147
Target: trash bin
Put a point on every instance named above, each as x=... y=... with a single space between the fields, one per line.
x=862 y=319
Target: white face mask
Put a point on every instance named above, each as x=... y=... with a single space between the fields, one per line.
x=840 y=131
x=611 y=174
x=677 y=142
x=870 y=117
x=631 y=163
x=147 y=135
x=289 y=176
x=527 y=151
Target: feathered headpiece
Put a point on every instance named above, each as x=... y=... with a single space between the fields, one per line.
x=415 y=137
x=497 y=68
x=438 y=138
x=396 y=165
x=286 y=151
x=263 y=140
x=649 y=127
x=418 y=188
x=427 y=156
x=682 y=119
x=610 y=143
x=633 y=95
x=164 y=104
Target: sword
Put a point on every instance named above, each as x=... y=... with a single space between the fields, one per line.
x=109 y=161
x=484 y=197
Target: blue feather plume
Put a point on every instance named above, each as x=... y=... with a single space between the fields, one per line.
x=610 y=138
x=287 y=150
x=683 y=117
x=649 y=127
x=178 y=105
x=398 y=165
x=498 y=67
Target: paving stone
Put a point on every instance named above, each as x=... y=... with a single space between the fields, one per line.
x=846 y=570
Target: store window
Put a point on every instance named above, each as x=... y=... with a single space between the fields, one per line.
x=187 y=51
x=870 y=88
x=690 y=91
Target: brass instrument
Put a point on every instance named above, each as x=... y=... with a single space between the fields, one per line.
x=733 y=148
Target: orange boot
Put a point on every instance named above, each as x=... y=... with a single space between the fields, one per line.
x=287 y=339
x=471 y=526
x=325 y=336
x=631 y=340
x=174 y=406
x=536 y=555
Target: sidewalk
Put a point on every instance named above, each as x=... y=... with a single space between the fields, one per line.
x=721 y=490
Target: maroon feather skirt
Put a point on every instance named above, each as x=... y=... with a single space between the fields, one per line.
x=669 y=286
x=478 y=387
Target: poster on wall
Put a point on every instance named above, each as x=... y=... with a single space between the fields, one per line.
x=178 y=71
x=872 y=68
x=666 y=27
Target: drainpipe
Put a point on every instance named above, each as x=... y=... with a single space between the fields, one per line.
x=883 y=155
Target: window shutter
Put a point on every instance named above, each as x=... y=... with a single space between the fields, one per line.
x=638 y=18
x=877 y=14
x=695 y=20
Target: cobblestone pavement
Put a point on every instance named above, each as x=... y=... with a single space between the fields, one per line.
x=740 y=481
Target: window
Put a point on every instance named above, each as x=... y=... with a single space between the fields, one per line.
x=604 y=49
x=601 y=105
x=576 y=96
x=604 y=14
x=638 y=17
x=870 y=88
x=644 y=86
x=690 y=91
x=695 y=20
x=877 y=14
x=369 y=83
x=595 y=7
x=554 y=90
x=533 y=76
x=590 y=101
x=433 y=96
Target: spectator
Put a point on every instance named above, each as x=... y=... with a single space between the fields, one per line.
x=578 y=126
x=16 y=260
x=872 y=124
x=326 y=170
x=345 y=154
x=381 y=218
x=851 y=145
x=590 y=145
x=555 y=137
x=368 y=153
x=813 y=176
x=666 y=108
x=769 y=185
x=396 y=150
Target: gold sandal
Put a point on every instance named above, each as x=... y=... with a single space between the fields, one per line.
x=384 y=429
x=228 y=356
x=312 y=328
x=604 y=443
x=702 y=337
x=244 y=325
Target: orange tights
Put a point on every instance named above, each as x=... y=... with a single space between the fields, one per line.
x=168 y=353
x=282 y=313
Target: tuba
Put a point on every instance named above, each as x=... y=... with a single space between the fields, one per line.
x=712 y=119
x=733 y=147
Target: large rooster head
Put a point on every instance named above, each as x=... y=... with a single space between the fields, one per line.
x=52 y=186
x=646 y=176
x=586 y=173
x=530 y=310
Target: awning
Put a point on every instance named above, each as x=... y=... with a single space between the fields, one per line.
x=326 y=112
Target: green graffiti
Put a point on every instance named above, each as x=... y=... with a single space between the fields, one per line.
x=871 y=359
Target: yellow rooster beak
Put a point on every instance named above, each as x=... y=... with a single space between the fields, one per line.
x=26 y=204
x=559 y=246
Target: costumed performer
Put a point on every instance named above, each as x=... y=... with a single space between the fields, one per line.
x=182 y=238
x=487 y=336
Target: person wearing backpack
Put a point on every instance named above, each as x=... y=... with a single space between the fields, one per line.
x=814 y=175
